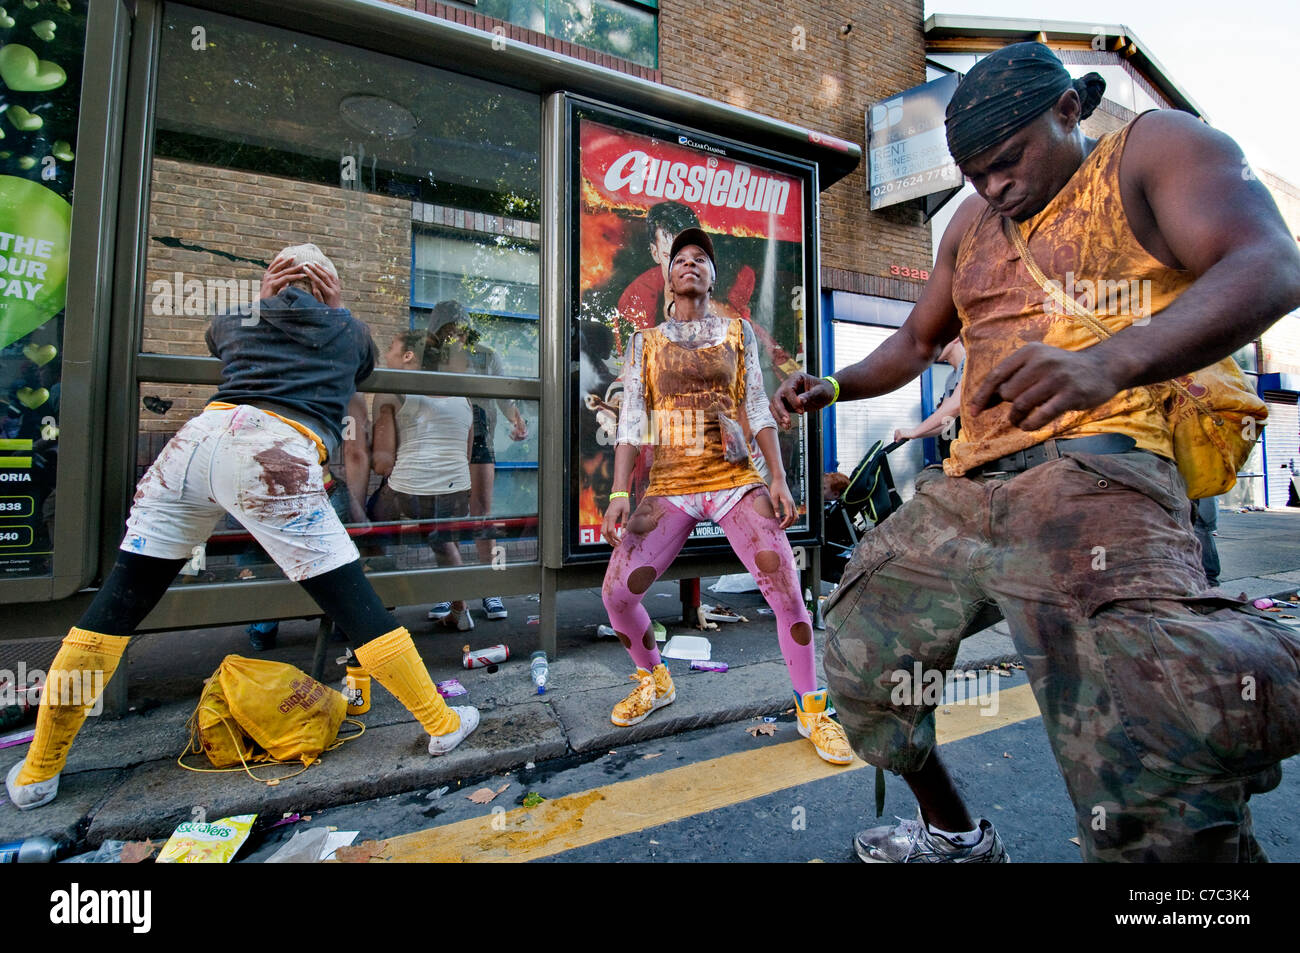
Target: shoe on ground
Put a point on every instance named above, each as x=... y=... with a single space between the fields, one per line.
x=261 y=635
x=442 y=744
x=653 y=691
x=912 y=843
x=460 y=620
x=27 y=797
x=440 y=611
x=812 y=709
x=494 y=608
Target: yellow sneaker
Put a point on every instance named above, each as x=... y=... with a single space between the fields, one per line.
x=816 y=724
x=652 y=691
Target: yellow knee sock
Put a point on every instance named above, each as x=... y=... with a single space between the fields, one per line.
x=85 y=663
x=394 y=661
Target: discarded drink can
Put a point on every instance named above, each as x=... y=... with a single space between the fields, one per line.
x=699 y=666
x=482 y=658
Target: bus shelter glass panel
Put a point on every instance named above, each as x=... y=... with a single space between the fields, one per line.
x=404 y=487
x=421 y=186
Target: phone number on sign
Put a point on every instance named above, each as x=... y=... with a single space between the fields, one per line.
x=898 y=185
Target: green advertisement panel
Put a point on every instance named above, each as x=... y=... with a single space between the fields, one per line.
x=42 y=45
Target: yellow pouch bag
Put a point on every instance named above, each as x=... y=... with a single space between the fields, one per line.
x=286 y=711
x=253 y=710
x=214 y=731
x=1215 y=418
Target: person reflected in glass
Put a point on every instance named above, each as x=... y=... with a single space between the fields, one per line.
x=450 y=321
x=421 y=448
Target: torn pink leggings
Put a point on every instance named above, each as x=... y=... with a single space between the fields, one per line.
x=655 y=534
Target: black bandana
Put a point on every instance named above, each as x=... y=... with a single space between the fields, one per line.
x=1007 y=90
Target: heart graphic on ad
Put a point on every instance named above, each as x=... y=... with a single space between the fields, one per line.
x=36 y=222
x=25 y=72
x=31 y=399
x=40 y=354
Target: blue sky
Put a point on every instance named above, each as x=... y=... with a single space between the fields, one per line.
x=1239 y=61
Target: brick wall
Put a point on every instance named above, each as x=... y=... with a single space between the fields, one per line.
x=251 y=216
x=749 y=56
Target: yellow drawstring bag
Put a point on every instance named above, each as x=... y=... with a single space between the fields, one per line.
x=253 y=710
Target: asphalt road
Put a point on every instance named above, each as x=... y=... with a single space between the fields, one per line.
x=724 y=794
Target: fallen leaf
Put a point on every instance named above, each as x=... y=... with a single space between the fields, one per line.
x=763 y=729
x=482 y=795
x=361 y=853
x=1075 y=842
x=647 y=757
x=135 y=851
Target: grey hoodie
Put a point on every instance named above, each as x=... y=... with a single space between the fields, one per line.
x=297 y=358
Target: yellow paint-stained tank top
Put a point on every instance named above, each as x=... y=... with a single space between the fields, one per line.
x=685 y=390
x=1084 y=241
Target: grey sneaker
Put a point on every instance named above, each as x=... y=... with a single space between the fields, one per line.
x=442 y=744
x=26 y=797
x=912 y=843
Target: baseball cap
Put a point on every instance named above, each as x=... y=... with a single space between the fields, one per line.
x=693 y=236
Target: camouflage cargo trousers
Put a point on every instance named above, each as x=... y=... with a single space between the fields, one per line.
x=1160 y=697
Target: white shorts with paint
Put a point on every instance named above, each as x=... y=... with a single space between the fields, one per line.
x=255 y=467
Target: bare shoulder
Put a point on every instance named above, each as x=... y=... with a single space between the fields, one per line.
x=1165 y=141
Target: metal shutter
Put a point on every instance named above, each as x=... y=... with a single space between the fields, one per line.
x=1281 y=448
x=860 y=423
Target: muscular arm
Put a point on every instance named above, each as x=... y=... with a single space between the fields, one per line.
x=1221 y=224
x=905 y=353
x=1195 y=205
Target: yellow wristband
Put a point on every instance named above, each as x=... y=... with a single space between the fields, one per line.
x=618 y=495
x=836 y=385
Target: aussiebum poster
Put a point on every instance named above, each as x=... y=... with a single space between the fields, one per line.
x=637 y=191
x=41 y=49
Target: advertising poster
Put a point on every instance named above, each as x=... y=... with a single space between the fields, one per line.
x=41 y=50
x=637 y=187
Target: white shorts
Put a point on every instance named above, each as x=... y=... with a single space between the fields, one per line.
x=713 y=505
x=254 y=466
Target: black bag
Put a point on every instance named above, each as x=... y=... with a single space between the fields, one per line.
x=866 y=502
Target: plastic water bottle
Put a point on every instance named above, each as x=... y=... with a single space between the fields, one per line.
x=540 y=671
x=33 y=850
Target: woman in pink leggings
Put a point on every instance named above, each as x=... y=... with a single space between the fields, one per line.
x=686 y=385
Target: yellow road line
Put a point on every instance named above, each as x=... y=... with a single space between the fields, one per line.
x=625 y=807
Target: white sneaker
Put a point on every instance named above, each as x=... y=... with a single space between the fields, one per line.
x=27 y=797
x=442 y=744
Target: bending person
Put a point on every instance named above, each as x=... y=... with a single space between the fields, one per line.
x=689 y=380
x=255 y=452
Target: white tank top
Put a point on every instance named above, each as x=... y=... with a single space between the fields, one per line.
x=431 y=446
